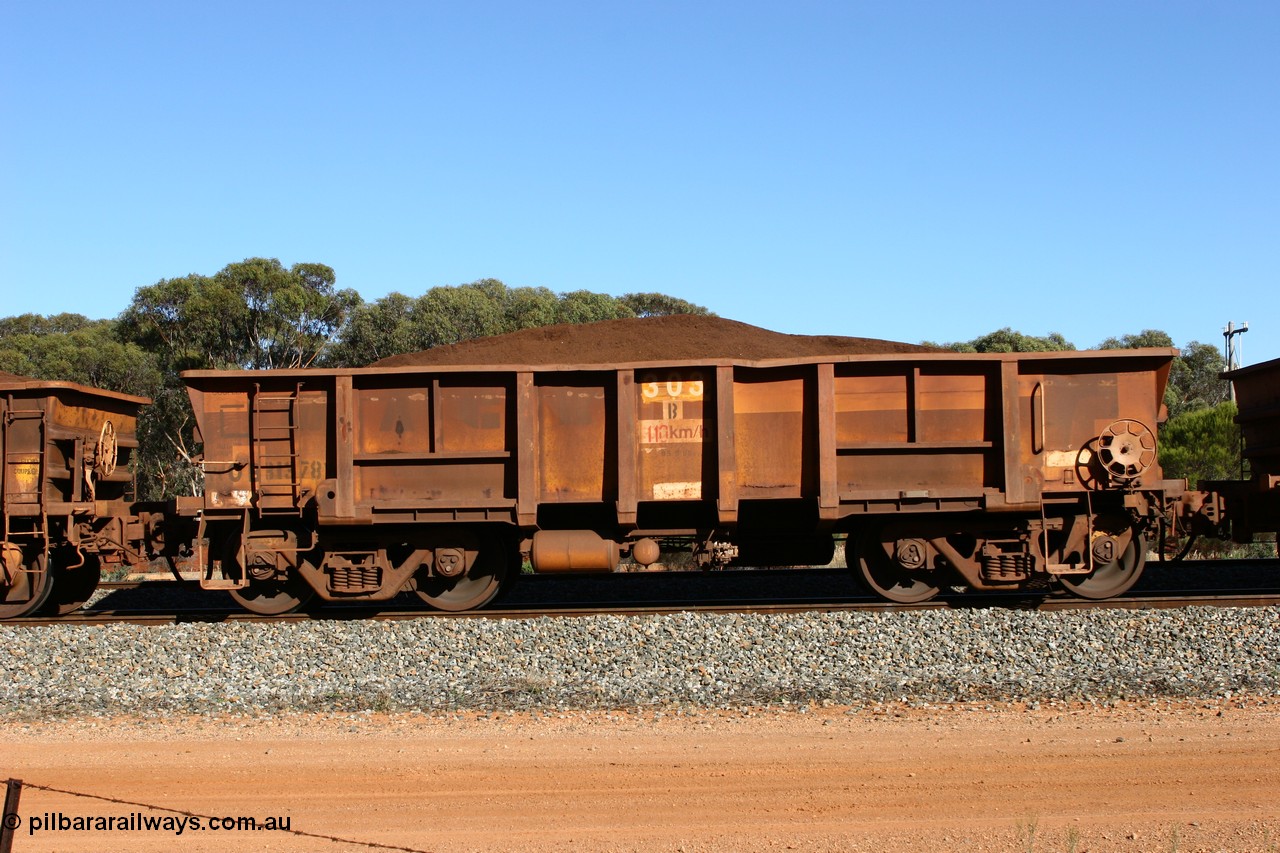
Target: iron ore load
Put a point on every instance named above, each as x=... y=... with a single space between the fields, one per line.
x=570 y=448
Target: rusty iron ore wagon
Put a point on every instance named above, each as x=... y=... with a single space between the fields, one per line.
x=991 y=471
x=65 y=503
x=1244 y=508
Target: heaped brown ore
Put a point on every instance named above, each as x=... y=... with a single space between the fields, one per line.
x=668 y=338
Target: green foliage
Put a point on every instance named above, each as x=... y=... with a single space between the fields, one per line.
x=166 y=462
x=374 y=330
x=252 y=314
x=1195 y=381
x=37 y=324
x=397 y=323
x=1203 y=444
x=1145 y=338
x=583 y=306
x=1007 y=340
x=72 y=348
x=449 y=315
x=659 y=305
x=530 y=307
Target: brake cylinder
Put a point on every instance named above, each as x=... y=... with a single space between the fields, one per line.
x=572 y=551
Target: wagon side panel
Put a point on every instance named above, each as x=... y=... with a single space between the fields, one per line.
x=576 y=437
x=907 y=431
x=774 y=451
x=92 y=442
x=1087 y=423
x=427 y=442
x=674 y=434
x=267 y=440
x=67 y=446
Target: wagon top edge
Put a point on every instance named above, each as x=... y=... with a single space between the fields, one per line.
x=1159 y=353
x=1262 y=367
x=10 y=384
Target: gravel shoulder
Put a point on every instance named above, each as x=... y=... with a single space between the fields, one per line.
x=1158 y=775
x=609 y=662
x=973 y=730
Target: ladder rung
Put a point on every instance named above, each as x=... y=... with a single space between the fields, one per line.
x=274 y=429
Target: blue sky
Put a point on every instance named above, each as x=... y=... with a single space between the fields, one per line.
x=905 y=170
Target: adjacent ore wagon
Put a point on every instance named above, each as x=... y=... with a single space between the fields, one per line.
x=1244 y=508
x=66 y=490
x=988 y=471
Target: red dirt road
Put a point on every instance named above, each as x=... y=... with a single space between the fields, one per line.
x=1184 y=777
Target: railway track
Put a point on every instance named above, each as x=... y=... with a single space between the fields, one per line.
x=1214 y=583
x=1162 y=600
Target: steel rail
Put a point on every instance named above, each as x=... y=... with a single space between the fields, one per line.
x=158 y=582
x=155 y=578
x=1165 y=600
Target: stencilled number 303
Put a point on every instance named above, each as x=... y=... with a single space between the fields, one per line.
x=676 y=387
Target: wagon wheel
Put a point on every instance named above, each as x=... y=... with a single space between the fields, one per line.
x=886 y=578
x=73 y=587
x=1115 y=577
x=274 y=597
x=28 y=591
x=475 y=588
x=267 y=593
